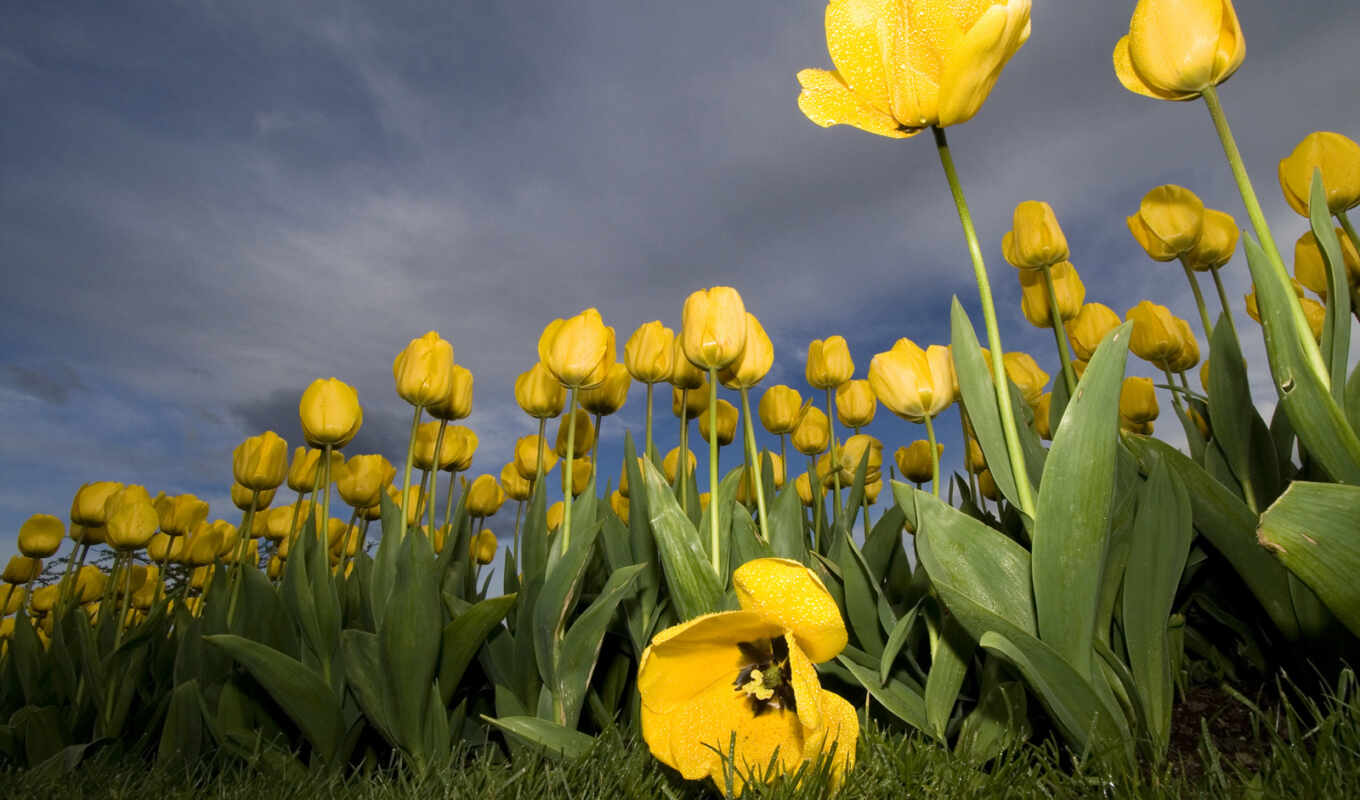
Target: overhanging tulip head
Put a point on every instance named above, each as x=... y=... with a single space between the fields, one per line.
x=1175 y=49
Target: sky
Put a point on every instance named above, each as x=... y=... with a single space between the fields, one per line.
x=206 y=205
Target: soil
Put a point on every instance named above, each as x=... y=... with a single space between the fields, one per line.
x=1237 y=734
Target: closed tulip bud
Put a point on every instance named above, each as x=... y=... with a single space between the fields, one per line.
x=581 y=470
x=275 y=568
x=585 y=435
x=1316 y=314
x=1067 y=288
x=746 y=490
x=163 y=547
x=649 y=353
x=330 y=413
x=516 y=486
x=457 y=404
x=828 y=363
x=87 y=508
x=855 y=403
x=261 y=462
x=539 y=393
x=1339 y=159
x=526 y=456
x=423 y=371
x=181 y=513
x=484 y=496
x=803 y=485
x=1086 y=330
x=278 y=520
x=1188 y=356
x=684 y=375
x=610 y=395
x=755 y=360
x=1254 y=311
x=88 y=534
x=987 y=486
x=1025 y=373
x=243 y=498
x=914 y=461
x=42 y=600
x=911 y=382
x=90 y=582
x=672 y=459
x=779 y=409
x=854 y=450
x=903 y=68
x=1138 y=400
x=1169 y=222
x=713 y=327
x=303 y=474
x=131 y=519
x=40 y=536
x=578 y=351
x=1042 y=413
x=974 y=459
x=427 y=436
x=1311 y=270
x=21 y=569
x=464 y=442
x=1217 y=242
x=1156 y=337
x=482 y=548
x=412 y=509
x=362 y=480
x=813 y=434
x=727 y=423
x=1035 y=239
x=145 y=594
x=619 y=502
x=695 y=400
x=1175 y=49
x=556 y=512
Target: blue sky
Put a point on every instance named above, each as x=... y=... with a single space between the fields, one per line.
x=204 y=206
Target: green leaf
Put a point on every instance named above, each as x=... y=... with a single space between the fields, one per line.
x=384 y=573
x=367 y=678
x=549 y=736
x=558 y=596
x=694 y=587
x=897 y=637
x=1072 y=521
x=999 y=720
x=903 y=701
x=1238 y=429
x=581 y=646
x=464 y=636
x=948 y=667
x=1353 y=398
x=861 y=595
x=299 y=690
x=409 y=638
x=181 y=740
x=1312 y=529
x=1336 y=326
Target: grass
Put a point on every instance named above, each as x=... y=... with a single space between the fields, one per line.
x=1304 y=748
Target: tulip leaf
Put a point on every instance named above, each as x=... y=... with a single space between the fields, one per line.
x=694 y=588
x=785 y=514
x=861 y=596
x=367 y=677
x=948 y=667
x=1336 y=325
x=581 y=646
x=464 y=636
x=300 y=691
x=999 y=720
x=639 y=521
x=1311 y=529
x=1299 y=376
x=551 y=737
x=1239 y=430
x=181 y=739
x=410 y=652
x=1072 y=524
x=897 y=638
x=899 y=698
x=558 y=597
x=385 y=560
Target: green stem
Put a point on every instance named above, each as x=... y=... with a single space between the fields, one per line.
x=519 y=510
x=1199 y=301
x=1060 y=334
x=406 y=473
x=570 y=482
x=1024 y=492
x=754 y=454
x=1223 y=300
x=434 y=475
x=243 y=535
x=818 y=504
x=595 y=444
x=934 y=458
x=682 y=457
x=835 y=460
x=538 y=468
x=323 y=471
x=650 y=448
x=713 y=538
x=127 y=598
x=448 y=498
x=784 y=453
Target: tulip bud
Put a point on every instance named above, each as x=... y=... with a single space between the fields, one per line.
x=1217 y=242
x=1042 y=413
x=813 y=433
x=1035 y=239
x=304 y=473
x=163 y=547
x=746 y=494
x=242 y=498
x=855 y=403
x=1086 y=330
x=539 y=393
x=578 y=351
x=779 y=409
x=527 y=449
x=684 y=375
x=457 y=404
x=362 y=480
x=1188 y=355
x=556 y=512
x=911 y=382
x=483 y=547
x=619 y=502
x=516 y=486
x=1025 y=373
x=1067 y=287
x=21 y=569
x=463 y=442
x=914 y=461
x=330 y=413
x=412 y=509
x=1311 y=270
x=581 y=470
x=484 y=496
x=649 y=354
x=1339 y=159
x=87 y=508
x=1156 y=337
x=987 y=486
x=1176 y=49
x=974 y=460
x=90 y=582
x=145 y=594
x=672 y=459
x=131 y=519
x=854 y=451
x=713 y=327
x=727 y=423
x=181 y=513
x=585 y=435
x=42 y=600
x=423 y=455
x=695 y=400
x=755 y=360
x=423 y=371
x=40 y=536
x=803 y=485
x=260 y=462
x=1138 y=400
x=1169 y=222
x=828 y=363
x=610 y=395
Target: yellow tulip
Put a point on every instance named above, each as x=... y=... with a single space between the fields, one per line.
x=362 y=480
x=855 y=403
x=585 y=435
x=1086 y=330
x=803 y=485
x=423 y=370
x=727 y=423
x=779 y=409
x=163 y=547
x=1316 y=314
x=330 y=413
x=757 y=356
x=483 y=547
x=423 y=455
x=684 y=375
x=672 y=460
x=1042 y=413
x=1204 y=376
x=1169 y=222
x=619 y=502
x=1254 y=311
x=242 y=498
x=581 y=471
x=457 y=404
x=484 y=496
x=974 y=459
x=539 y=393
x=131 y=519
x=1067 y=287
x=1188 y=356
x=911 y=382
x=610 y=395
x=304 y=474
x=21 y=569
x=1339 y=159
x=413 y=504
x=516 y=486
x=40 y=536
x=713 y=327
x=853 y=451
x=42 y=600
x=526 y=457
x=1217 y=242
x=87 y=508
x=181 y=513
x=1156 y=337
x=813 y=433
x=903 y=67
x=1138 y=400
x=87 y=534
x=987 y=486
x=828 y=363
x=145 y=593
x=1025 y=373
x=649 y=353
x=554 y=516
x=695 y=400
x=261 y=462
x=1311 y=270
x=1035 y=239
x=463 y=441
x=914 y=461
x=1175 y=49
x=578 y=351
x=275 y=569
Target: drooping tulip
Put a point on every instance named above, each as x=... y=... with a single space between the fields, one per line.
x=1339 y=159
x=1156 y=337
x=1169 y=222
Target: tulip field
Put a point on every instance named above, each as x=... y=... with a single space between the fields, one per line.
x=815 y=612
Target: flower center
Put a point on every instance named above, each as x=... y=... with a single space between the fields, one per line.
x=764 y=678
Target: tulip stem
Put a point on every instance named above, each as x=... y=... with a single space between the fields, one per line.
x=127 y=597
x=1199 y=300
x=1350 y=231
x=1302 y=332
x=1059 y=333
x=519 y=510
x=595 y=445
x=406 y=473
x=570 y=484
x=434 y=475
x=754 y=455
x=934 y=458
x=61 y=593
x=714 y=506
x=1223 y=300
x=818 y=504
x=682 y=457
x=783 y=452
x=1024 y=492
x=448 y=497
x=243 y=536
x=835 y=459
x=649 y=449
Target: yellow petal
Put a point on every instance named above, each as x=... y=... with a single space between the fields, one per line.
x=1128 y=76
x=860 y=38
x=1232 y=46
x=792 y=597
x=1173 y=43
x=685 y=660
x=840 y=729
x=807 y=687
x=976 y=62
x=827 y=101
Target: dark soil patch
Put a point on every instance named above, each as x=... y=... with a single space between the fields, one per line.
x=1238 y=736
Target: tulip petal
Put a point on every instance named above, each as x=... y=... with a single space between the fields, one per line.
x=1131 y=80
x=976 y=61
x=791 y=596
x=1173 y=43
x=840 y=729
x=859 y=37
x=807 y=688
x=1232 y=46
x=687 y=659
x=827 y=101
